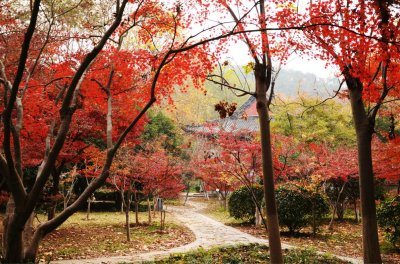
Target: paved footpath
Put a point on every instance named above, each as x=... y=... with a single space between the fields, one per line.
x=209 y=233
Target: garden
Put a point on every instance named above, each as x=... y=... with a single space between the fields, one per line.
x=199 y=131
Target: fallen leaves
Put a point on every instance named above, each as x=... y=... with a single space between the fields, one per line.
x=85 y=241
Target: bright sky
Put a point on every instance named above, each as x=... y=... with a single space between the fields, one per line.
x=238 y=53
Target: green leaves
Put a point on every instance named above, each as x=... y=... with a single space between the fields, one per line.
x=388 y=215
x=241 y=203
x=296 y=207
x=310 y=120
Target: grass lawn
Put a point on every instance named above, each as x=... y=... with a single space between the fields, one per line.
x=104 y=235
x=253 y=253
x=345 y=239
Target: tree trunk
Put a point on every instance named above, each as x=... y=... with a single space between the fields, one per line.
x=16 y=236
x=340 y=210
x=12 y=236
x=258 y=208
x=162 y=219
x=127 y=224
x=149 y=208
x=267 y=166
x=51 y=211
x=13 y=250
x=136 y=208
x=314 y=223
x=257 y=217
x=205 y=191
x=355 y=209
x=222 y=197
x=123 y=203
x=335 y=208
x=89 y=201
x=187 y=195
x=154 y=206
x=364 y=130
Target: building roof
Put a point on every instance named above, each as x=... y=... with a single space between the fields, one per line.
x=248 y=108
x=244 y=118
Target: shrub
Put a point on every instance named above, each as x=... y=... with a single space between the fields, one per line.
x=388 y=215
x=241 y=204
x=295 y=207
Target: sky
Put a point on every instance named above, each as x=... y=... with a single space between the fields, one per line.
x=238 y=53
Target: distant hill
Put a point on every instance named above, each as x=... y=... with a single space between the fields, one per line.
x=193 y=107
x=291 y=82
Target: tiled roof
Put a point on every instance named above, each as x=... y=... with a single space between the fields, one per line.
x=245 y=107
x=234 y=123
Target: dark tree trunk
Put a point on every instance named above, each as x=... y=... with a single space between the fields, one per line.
x=13 y=247
x=314 y=223
x=267 y=166
x=127 y=209
x=340 y=210
x=51 y=211
x=149 y=209
x=16 y=235
x=187 y=195
x=136 y=207
x=364 y=130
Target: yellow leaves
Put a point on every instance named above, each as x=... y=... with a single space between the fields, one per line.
x=248 y=68
x=288 y=5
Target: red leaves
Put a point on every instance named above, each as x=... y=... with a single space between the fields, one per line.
x=386 y=157
x=153 y=170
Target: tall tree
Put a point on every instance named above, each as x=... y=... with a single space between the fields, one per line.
x=361 y=39
x=263 y=47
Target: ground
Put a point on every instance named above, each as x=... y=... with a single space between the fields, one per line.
x=209 y=234
x=344 y=239
x=198 y=225
x=104 y=235
x=252 y=253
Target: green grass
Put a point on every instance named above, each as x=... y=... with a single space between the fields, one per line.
x=68 y=251
x=216 y=211
x=174 y=202
x=253 y=253
x=97 y=219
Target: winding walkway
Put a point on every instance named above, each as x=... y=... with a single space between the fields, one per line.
x=209 y=233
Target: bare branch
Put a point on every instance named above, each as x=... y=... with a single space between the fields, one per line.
x=325 y=100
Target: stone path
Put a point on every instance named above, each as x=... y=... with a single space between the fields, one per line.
x=209 y=233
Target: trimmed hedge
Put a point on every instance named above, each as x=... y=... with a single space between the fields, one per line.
x=241 y=204
x=297 y=207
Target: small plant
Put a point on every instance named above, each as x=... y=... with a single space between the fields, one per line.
x=388 y=215
x=295 y=207
x=241 y=202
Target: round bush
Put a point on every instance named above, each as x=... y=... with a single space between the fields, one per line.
x=388 y=215
x=241 y=204
x=296 y=207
